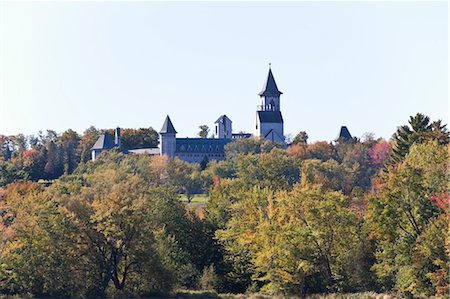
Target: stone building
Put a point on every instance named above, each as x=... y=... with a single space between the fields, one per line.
x=269 y=125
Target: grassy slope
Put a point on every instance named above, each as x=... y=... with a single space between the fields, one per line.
x=197 y=204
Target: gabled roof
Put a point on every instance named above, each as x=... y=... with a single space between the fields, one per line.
x=344 y=133
x=222 y=119
x=167 y=127
x=270 y=87
x=273 y=136
x=103 y=142
x=270 y=117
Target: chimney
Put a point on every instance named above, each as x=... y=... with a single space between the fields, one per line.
x=117 y=137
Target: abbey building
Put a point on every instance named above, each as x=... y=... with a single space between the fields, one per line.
x=269 y=125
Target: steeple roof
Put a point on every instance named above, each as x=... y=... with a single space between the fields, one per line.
x=344 y=134
x=167 y=127
x=270 y=87
x=103 y=142
x=222 y=119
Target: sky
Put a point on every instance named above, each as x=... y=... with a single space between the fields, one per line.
x=366 y=65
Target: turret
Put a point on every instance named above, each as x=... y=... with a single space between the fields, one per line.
x=223 y=127
x=168 y=138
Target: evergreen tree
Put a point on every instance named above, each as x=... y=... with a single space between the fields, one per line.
x=419 y=130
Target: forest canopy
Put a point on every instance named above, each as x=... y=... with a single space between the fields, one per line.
x=348 y=216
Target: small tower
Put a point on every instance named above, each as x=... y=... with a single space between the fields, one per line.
x=168 y=138
x=269 y=121
x=223 y=127
x=117 y=137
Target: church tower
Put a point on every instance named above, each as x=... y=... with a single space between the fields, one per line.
x=168 y=138
x=269 y=121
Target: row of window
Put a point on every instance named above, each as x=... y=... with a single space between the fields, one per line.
x=189 y=148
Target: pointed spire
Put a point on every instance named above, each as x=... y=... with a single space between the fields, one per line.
x=168 y=127
x=344 y=134
x=270 y=87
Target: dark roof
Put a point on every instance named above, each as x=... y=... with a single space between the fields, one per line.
x=222 y=118
x=270 y=117
x=167 y=127
x=344 y=134
x=272 y=132
x=201 y=145
x=270 y=87
x=103 y=142
x=148 y=151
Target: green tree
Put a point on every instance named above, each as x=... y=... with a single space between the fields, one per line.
x=139 y=138
x=301 y=137
x=87 y=141
x=249 y=146
x=276 y=169
x=419 y=130
x=204 y=131
x=69 y=141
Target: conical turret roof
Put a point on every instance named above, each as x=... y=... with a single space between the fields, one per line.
x=167 y=127
x=344 y=134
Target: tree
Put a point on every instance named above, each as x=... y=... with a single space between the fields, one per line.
x=54 y=166
x=37 y=255
x=249 y=146
x=321 y=150
x=298 y=151
x=419 y=131
x=330 y=175
x=87 y=141
x=69 y=141
x=379 y=153
x=400 y=211
x=140 y=138
x=204 y=130
x=276 y=169
x=9 y=173
x=292 y=238
x=209 y=279
x=301 y=137
x=91 y=236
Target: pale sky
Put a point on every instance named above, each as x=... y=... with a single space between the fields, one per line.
x=366 y=65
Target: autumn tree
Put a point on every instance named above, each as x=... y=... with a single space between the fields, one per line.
x=276 y=169
x=400 y=211
x=294 y=241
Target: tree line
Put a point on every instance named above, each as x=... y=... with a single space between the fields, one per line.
x=51 y=155
x=350 y=216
